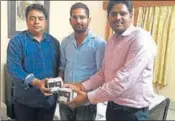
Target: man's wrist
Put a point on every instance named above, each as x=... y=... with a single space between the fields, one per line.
x=35 y=82
x=82 y=87
x=87 y=97
x=29 y=79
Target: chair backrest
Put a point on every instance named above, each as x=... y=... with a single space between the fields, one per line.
x=9 y=94
x=159 y=112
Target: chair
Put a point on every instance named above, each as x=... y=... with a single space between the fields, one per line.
x=9 y=94
x=159 y=107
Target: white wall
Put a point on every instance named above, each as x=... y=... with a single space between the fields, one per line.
x=60 y=13
x=59 y=25
x=4 y=42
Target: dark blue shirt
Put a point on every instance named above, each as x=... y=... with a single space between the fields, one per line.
x=26 y=56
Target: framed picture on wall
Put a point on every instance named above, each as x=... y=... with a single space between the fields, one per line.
x=16 y=15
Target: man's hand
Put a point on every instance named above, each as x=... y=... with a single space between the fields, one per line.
x=81 y=97
x=77 y=85
x=41 y=84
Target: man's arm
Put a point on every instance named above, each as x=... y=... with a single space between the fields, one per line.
x=58 y=55
x=62 y=60
x=15 y=67
x=140 y=54
x=100 y=50
x=95 y=81
x=98 y=79
x=61 y=74
x=14 y=61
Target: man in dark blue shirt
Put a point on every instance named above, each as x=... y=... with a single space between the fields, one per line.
x=33 y=56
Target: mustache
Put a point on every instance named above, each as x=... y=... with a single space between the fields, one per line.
x=78 y=25
x=117 y=22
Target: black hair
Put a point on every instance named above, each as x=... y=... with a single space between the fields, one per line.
x=38 y=7
x=80 y=5
x=128 y=4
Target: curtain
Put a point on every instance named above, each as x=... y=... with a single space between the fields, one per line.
x=160 y=22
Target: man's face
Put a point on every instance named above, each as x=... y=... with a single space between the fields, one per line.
x=120 y=18
x=79 y=20
x=36 y=22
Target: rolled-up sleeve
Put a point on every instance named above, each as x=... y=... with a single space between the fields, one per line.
x=29 y=79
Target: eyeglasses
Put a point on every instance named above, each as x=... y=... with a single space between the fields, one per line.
x=78 y=17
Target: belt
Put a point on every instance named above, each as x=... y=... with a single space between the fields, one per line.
x=125 y=108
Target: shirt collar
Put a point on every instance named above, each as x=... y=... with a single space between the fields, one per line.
x=87 y=38
x=32 y=38
x=91 y=35
x=128 y=31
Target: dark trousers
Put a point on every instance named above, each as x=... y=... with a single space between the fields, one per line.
x=81 y=113
x=120 y=113
x=26 y=113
